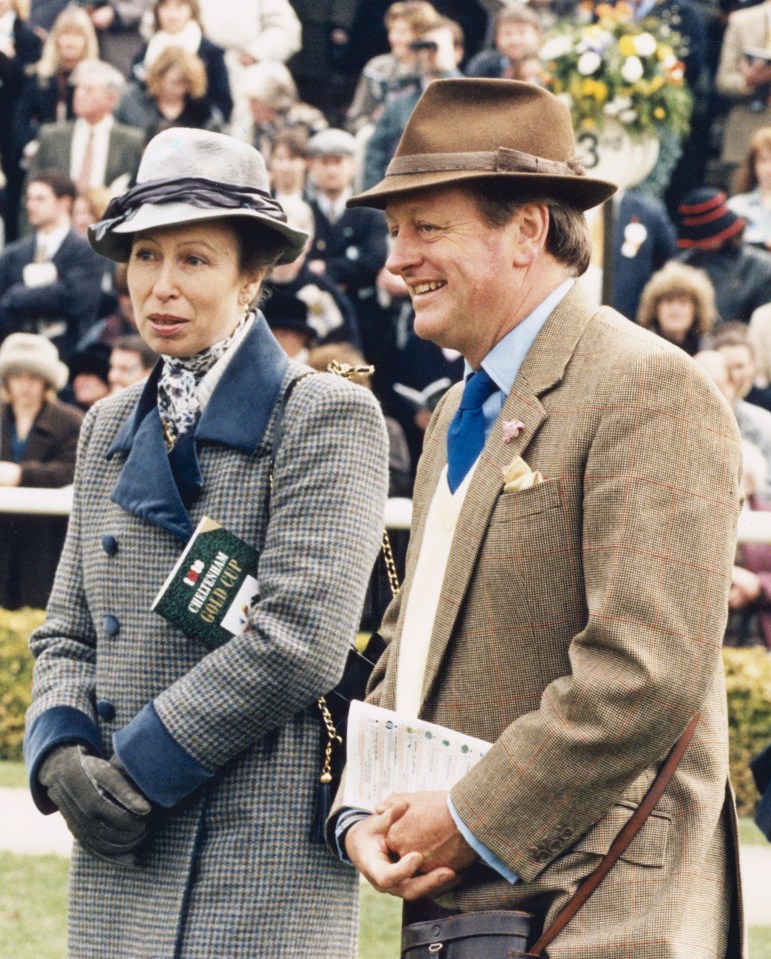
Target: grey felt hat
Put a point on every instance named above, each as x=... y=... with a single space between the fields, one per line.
x=332 y=142
x=189 y=175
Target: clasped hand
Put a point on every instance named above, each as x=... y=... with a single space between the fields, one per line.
x=103 y=810
x=410 y=847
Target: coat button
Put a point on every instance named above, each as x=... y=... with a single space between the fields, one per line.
x=543 y=856
x=105 y=710
x=111 y=625
x=566 y=833
x=110 y=544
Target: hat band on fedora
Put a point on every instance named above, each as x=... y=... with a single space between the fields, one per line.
x=195 y=191
x=502 y=160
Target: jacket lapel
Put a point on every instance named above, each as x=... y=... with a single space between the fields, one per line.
x=236 y=415
x=543 y=368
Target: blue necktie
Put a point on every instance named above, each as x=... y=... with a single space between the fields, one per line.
x=466 y=435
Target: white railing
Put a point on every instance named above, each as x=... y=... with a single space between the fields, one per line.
x=754 y=526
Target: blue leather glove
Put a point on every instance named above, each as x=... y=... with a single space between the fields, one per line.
x=103 y=809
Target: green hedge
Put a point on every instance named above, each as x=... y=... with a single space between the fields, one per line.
x=15 y=677
x=748 y=682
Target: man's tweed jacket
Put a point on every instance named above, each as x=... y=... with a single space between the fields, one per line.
x=228 y=741
x=579 y=628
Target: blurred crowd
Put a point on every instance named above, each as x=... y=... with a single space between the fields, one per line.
x=324 y=89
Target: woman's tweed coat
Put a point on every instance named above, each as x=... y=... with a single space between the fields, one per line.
x=229 y=741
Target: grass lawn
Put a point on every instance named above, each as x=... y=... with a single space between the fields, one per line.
x=33 y=903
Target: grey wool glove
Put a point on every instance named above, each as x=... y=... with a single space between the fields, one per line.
x=104 y=811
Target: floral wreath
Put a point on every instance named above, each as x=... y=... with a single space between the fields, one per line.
x=620 y=68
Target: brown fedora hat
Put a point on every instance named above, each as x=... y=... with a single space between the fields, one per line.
x=472 y=129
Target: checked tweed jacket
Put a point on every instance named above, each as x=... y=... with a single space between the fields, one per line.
x=226 y=743
x=579 y=628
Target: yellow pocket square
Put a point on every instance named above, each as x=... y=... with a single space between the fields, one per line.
x=518 y=475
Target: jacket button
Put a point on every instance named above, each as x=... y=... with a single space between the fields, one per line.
x=543 y=856
x=110 y=544
x=105 y=710
x=111 y=625
x=566 y=833
x=555 y=845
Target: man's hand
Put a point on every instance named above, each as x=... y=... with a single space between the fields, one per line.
x=426 y=825
x=745 y=588
x=366 y=847
x=102 y=808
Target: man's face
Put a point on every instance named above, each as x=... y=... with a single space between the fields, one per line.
x=44 y=208
x=444 y=59
x=741 y=367
x=332 y=174
x=514 y=40
x=125 y=368
x=92 y=101
x=458 y=270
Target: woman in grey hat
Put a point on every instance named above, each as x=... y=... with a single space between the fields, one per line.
x=38 y=438
x=187 y=771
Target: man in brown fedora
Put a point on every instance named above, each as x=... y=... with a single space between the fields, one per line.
x=572 y=542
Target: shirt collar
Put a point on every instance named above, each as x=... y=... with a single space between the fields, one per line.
x=504 y=360
x=50 y=242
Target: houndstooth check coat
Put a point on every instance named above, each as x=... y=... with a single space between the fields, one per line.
x=225 y=743
x=579 y=629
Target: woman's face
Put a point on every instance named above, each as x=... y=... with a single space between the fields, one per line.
x=186 y=286
x=174 y=15
x=763 y=168
x=71 y=47
x=287 y=171
x=173 y=84
x=82 y=215
x=676 y=315
x=26 y=390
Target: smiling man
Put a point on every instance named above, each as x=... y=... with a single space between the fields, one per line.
x=573 y=618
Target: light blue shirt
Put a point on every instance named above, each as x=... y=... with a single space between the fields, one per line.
x=502 y=364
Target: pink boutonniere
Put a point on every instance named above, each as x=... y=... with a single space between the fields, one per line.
x=511 y=430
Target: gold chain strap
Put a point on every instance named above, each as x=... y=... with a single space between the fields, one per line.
x=348 y=372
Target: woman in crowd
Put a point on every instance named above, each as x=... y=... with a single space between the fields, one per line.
x=38 y=439
x=177 y=23
x=211 y=749
x=752 y=199
x=173 y=96
x=678 y=303
x=88 y=207
x=387 y=74
x=71 y=40
x=288 y=167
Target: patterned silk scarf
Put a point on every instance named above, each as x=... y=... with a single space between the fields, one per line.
x=178 y=402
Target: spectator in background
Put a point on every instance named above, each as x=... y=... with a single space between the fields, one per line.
x=387 y=75
x=38 y=439
x=287 y=318
x=749 y=600
x=518 y=33
x=288 y=165
x=753 y=421
x=19 y=50
x=71 y=41
x=732 y=340
x=440 y=50
x=330 y=312
x=89 y=372
x=92 y=149
x=131 y=360
x=117 y=24
x=173 y=96
x=250 y=31
x=759 y=333
x=752 y=200
x=88 y=208
x=349 y=246
x=274 y=107
x=120 y=321
x=743 y=81
x=178 y=23
x=710 y=237
x=50 y=282
x=678 y=303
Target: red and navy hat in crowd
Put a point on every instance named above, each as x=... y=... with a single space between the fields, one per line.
x=705 y=220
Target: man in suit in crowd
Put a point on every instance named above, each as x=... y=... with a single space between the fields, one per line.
x=93 y=149
x=570 y=557
x=50 y=282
